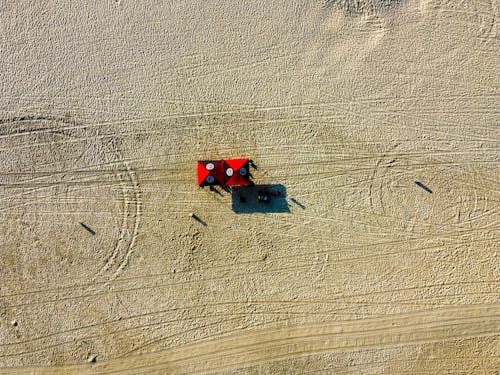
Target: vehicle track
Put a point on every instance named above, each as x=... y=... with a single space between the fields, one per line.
x=250 y=348
x=31 y=126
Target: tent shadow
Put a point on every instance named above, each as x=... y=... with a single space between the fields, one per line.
x=245 y=201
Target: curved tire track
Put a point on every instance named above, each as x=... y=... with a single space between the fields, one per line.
x=119 y=255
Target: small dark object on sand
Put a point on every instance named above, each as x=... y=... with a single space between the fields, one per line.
x=297 y=203
x=418 y=183
x=193 y=215
x=88 y=229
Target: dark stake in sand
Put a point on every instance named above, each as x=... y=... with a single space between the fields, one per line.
x=427 y=189
x=193 y=215
x=88 y=229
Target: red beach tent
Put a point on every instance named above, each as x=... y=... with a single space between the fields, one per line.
x=230 y=172
x=236 y=172
x=210 y=172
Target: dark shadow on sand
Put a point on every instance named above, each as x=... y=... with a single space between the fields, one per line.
x=88 y=229
x=245 y=201
x=196 y=218
x=426 y=188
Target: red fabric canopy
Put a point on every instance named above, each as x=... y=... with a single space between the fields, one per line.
x=210 y=172
x=236 y=172
x=229 y=172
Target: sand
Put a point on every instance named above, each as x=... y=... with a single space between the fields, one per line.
x=379 y=121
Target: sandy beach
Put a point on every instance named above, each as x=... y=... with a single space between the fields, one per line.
x=377 y=121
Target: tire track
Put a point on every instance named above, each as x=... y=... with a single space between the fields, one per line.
x=294 y=268
x=342 y=311
x=247 y=349
x=253 y=111
x=122 y=248
x=290 y=258
x=251 y=348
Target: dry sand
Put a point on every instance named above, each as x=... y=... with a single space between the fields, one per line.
x=105 y=108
